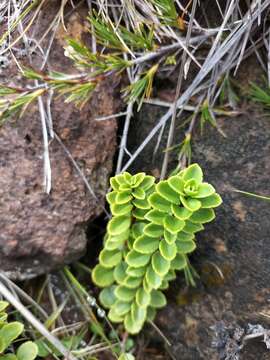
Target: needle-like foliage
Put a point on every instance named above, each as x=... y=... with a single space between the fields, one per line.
x=167 y=12
x=261 y=96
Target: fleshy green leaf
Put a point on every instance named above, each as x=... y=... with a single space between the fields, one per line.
x=113 y=245
x=114 y=183
x=211 y=201
x=131 y=326
x=27 y=351
x=121 y=209
x=120 y=237
x=168 y=251
x=173 y=224
x=143 y=297
x=10 y=332
x=138 y=179
x=146 y=245
x=137 y=229
x=107 y=297
x=170 y=276
x=169 y=237
x=202 y=216
x=205 y=190
x=159 y=203
x=148 y=288
x=136 y=272
x=138 y=193
x=192 y=228
x=182 y=236
x=164 y=285
x=136 y=259
x=179 y=262
x=119 y=272
x=43 y=348
x=152 y=278
x=181 y=212
x=3 y=305
x=123 y=197
x=2 y=345
x=111 y=197
x=102 y=276
x=193 y=172
x=119 y=224
x=110 y=258
x=114 y=316
x=167 y=192
x=155 y=216
x=147 y=182
x=124 y=293
x=158 y=299
x=177 y=184
x=3 y=318
x=191 y=188
x=139 y=213
x=185 y=247
x=121 y=179
x=190 y=203
x=128 y=177
x=153 y=230
x=151 y=313
x=124 y=187
x=141 y=204
x=121 y=307
x=160 y=265
x=130 y=243
x=138 y=313
x=132 y=282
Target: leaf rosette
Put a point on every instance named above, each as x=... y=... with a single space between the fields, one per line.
x=148 y=239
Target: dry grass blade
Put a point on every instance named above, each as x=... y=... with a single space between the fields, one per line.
x=216 y=54
x=20 y=293
x=177 y=93
x=123 y=142
x=5 y=292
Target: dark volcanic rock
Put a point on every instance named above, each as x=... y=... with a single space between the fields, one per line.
x=233 y=257
x=40 y=232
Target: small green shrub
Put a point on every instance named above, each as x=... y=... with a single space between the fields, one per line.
x=9 y=333
x=149 y=237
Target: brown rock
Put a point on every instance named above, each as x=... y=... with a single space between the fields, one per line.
x=40 y=232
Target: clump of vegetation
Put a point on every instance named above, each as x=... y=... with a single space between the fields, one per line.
x=260 y=96
x=9 y=333
x=148 y=239
x=141 y=39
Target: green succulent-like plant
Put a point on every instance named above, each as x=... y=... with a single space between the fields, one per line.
x=9 y=333
x=149 y=237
